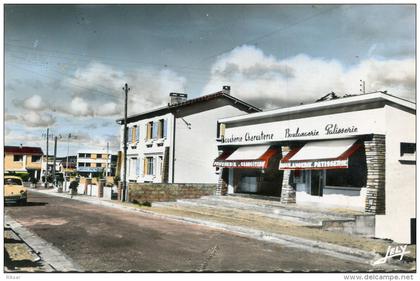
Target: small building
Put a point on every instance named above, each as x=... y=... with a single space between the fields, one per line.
x=68 y=165
x=95 y=163
x=356 y=153
x=23 y=159
x=176 y=143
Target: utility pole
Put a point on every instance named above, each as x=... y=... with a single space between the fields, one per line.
x=55 y=156
x=108 y=158
x=46 y=167
x=125 y=189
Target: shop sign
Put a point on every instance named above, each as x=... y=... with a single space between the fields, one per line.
x=330 y=129
x=316 y=164
x=240 y=164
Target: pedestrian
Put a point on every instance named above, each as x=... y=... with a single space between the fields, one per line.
x=73 y=188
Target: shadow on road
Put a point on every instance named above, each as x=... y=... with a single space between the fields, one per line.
x=27 y=204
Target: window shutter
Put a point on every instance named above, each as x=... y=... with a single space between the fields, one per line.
x=133 y=135
x=148 y=133
x=144 y=166
x=159 y=129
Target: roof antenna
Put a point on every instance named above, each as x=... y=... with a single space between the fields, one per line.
x=362 y=86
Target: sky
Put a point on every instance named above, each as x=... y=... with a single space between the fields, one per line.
x=65 y=65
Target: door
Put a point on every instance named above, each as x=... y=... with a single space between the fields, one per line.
x=317 y=182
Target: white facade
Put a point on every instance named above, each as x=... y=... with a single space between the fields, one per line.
x=94 y=161
x=358 y=118
x=184 y=151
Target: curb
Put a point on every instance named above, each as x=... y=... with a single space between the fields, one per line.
x=51 y=255
x=342 y=252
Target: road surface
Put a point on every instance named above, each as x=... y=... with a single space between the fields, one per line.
x=107 y=239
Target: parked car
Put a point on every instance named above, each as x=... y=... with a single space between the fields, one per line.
x=14 y=191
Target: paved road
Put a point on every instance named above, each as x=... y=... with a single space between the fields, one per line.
x=107 y=239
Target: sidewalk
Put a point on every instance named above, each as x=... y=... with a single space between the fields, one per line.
x=261 y=227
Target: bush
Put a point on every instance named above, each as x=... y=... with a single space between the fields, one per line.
x=24 y=176
x=73 y=185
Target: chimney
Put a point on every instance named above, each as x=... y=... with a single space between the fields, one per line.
x=226 y=90
x=177 y=98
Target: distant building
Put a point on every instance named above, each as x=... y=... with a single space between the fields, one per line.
x=23 y=159
x=176 y=143
x=68 y=165
x=95 y=163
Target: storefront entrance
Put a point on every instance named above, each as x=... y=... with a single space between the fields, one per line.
x=317 y=182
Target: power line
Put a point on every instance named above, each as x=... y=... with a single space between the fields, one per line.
x=105 y=58
x=268 y=34
x=51 y=77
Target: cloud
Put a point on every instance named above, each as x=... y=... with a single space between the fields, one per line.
x=268 y=82
x=149 y=87
x=34 y=103
x=37 y=119
x=79 y=107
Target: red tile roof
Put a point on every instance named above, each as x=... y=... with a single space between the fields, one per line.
x=23 y=150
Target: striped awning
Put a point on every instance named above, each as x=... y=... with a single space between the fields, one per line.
x=256 y=157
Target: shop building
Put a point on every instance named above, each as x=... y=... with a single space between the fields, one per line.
x=356 y=153
x=177 y=143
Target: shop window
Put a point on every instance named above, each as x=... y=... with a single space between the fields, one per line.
x=17 y=158
x=354 y=176
x=36 y=159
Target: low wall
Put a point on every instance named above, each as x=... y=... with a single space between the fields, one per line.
x=153 y=192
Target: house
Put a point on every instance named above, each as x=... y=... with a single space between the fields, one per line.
x=176 y=143
x=95 y=163
x=356 y=153
x=68 y=165
x=22 y=159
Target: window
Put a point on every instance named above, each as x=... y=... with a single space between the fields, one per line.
x=137 y=167
x=98 y=156
x=87 y=165
x=36 y=159
x=160 y=165
x=137 y=134
x=155 y=130
x=81 y=164
x=149 y=130
x=221 y=130
x=162 y=128
x=81 y=155
x=148 y=166
x=17 y=158
x=354 y=176
x=129 y=134
x=87 y=155
x=99 y=165
x=407 y=148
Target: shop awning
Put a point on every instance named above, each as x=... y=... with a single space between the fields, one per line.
x=256 y=156
x=319 y=155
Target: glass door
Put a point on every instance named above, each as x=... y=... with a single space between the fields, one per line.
x=317 y=182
